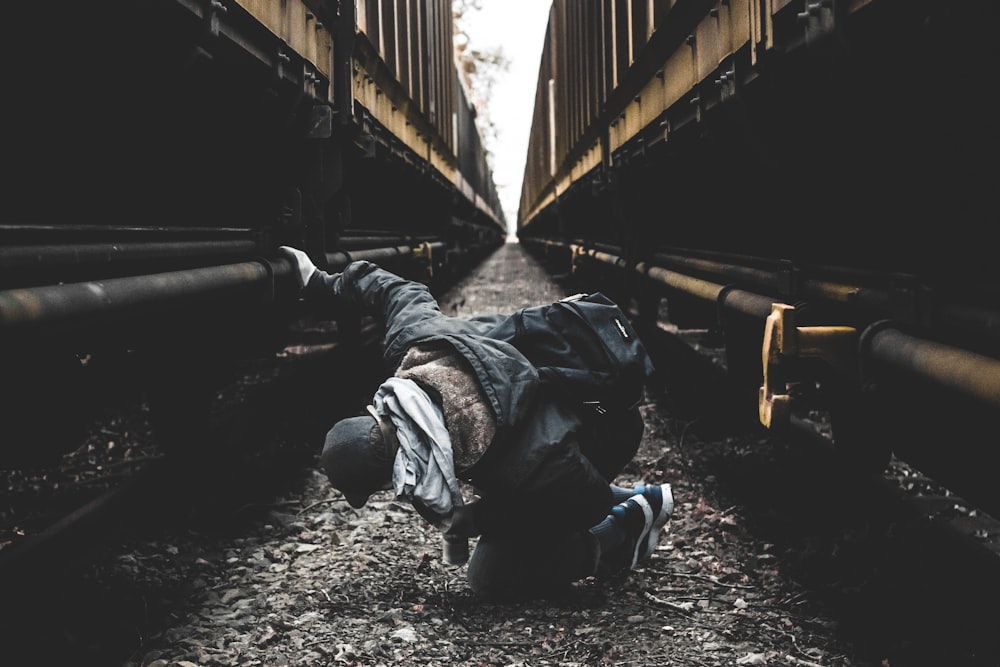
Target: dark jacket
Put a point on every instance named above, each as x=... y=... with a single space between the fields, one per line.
x=535 y=464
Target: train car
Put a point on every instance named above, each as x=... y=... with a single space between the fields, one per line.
x=811 y=181
x=158 y=152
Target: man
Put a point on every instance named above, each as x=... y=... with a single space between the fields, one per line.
x=465 y=406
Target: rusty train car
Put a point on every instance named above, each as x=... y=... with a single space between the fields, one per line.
x=810 y=181
x=158 y=152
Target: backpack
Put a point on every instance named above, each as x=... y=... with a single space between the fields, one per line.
x=586 y=350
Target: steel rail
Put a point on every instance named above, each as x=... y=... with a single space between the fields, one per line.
x=339 y=260
x=974 y=375
x=9 y=231
x=100 y=300
x=56 y=255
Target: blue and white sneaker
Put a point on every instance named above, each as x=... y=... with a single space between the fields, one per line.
x=642 y=538
x=643 y=515
x=636 y=515
x=660 y=500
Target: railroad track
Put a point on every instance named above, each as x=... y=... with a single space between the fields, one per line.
x=895 y=546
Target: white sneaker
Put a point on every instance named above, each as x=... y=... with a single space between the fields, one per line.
x=660 y=499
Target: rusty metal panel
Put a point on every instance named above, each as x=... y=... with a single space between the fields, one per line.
x=407 y=80
x=387 y=28
x=400 y=42
x=538 y=176
x=673 y=83
x=623 y=40
x=767 y=24
x=756 y=30
x=367 y=19
x=413 y=50
x=444 y=36
x=595 y=62
x=710 y=46
x=419 y=61
x=740 y=22
x=723 y=30
x=268 y=13
x=679 y=76
x=295 y=24
x=576 y=83
x=639 y=24
x=555 y=80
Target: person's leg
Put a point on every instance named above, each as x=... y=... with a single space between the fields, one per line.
x=518 y=566
x=507 y=567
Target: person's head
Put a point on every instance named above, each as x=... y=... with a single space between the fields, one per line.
x=358 y=456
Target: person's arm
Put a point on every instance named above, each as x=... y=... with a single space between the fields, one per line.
x=397 y=302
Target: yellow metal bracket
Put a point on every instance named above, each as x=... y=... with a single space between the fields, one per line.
x=783 y=341
x=575 y=251
x=425 y=251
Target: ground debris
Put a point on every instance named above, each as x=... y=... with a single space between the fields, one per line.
x=298 y=578
x=318 y=582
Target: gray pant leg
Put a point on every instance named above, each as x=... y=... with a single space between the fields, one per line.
x=505 y=567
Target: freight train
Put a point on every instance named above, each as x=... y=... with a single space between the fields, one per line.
x=157 y=153
x=812 y=183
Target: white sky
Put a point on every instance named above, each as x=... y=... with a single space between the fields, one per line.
x=518 y=26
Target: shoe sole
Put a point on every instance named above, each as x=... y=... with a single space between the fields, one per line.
x=647 y=511
x=666 y=510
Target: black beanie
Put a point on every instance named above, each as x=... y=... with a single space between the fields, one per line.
x=357 y=457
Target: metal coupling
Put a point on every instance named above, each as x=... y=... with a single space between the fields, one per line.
x=784 y=341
